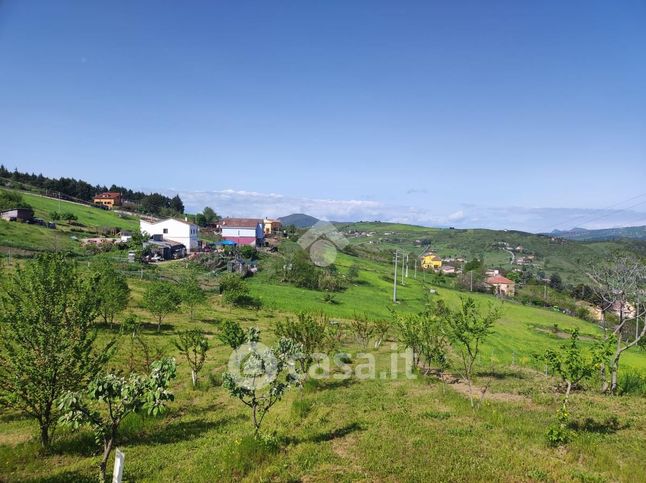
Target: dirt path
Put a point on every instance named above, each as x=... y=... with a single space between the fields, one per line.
x=483 y=393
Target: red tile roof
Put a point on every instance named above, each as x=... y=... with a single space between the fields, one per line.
x=240 y=222
x=108 y=195
x=499 y=279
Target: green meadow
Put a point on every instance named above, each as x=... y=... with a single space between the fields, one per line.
x=386 y=428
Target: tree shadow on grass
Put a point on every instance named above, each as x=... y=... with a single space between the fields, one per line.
x=175 y=432
x=325 y=436
x=335 y=433
x=80 y=443
x=65 y=477
x=312 y=385
x=502 y=374
x=609 y=426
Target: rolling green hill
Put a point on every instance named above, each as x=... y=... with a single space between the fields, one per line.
x=21 y=237
x=497 y=247
x=581 y=234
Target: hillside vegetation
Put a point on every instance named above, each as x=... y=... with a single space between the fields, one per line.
x=90 y=221
x=552 y=254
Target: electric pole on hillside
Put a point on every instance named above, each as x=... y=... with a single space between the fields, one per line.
x=407 y=265
x=395 y=280
x=471 y=282
x=415 y=268
x=403 y=283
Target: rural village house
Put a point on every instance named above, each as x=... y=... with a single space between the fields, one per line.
x=431 y=260
x=243 y=231
x=174 y=231
x=109 y=199
x=501 y=285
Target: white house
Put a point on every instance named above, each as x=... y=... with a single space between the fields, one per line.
x=175 y=230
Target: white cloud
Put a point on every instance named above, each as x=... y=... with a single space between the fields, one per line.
x=231 y=202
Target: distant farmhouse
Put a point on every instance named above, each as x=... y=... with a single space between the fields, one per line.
x=430 y=261
x=501 y=285
x=243 y=231
x=173 y=232
x=109 y=199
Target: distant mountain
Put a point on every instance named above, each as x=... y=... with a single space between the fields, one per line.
x=299 y=220
x=582 y=234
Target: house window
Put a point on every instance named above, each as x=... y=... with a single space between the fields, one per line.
x=165 y=231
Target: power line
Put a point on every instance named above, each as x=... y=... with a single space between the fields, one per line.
x=610 y=207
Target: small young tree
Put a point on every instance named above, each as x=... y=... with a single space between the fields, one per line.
x=308 y=330
x=232 y=334
x=433 y=335
x=112 y=290
x=381 y=329
x=117 y=397
x=363 y=329
x=263 y=376
x=193 y=346
x=467 y=328
x=47 y=339
x=192 y=294
x=161 y=299
x=408 y=328
x=573 y=364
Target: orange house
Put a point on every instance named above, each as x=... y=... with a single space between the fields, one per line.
x=109 y=199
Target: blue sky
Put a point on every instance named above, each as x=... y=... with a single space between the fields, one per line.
x=506 y=114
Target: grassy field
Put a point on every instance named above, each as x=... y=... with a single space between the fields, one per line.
x=356 y=430
x=21 y=237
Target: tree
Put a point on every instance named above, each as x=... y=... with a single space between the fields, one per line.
x=467 y=329
x=232 y=334
x=363 y=329
x=193 y=346
x=433 y=335
x=210 y=216
x=176 y=204
x=263 y=376
x=307 y=330
x=112 y=290
x=118 y=397
x=425 y=334
x=161 y=299
x=192 y=294
x=47 y=343
x=236 y=292
x=619 y=285
x=409 y=333
x=573 y=365
x=382 y=327
x=68 y=216
x=556 y=282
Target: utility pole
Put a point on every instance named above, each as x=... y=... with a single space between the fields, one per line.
x=415 y=268
x=403 y=283
x=407 y=265
x=395 y=280
x=471 y=281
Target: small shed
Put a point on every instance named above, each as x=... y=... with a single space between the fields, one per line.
x=17 y=214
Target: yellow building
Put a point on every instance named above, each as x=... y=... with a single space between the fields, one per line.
x=431 y=260
x=109 y=199
x=271 y=227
